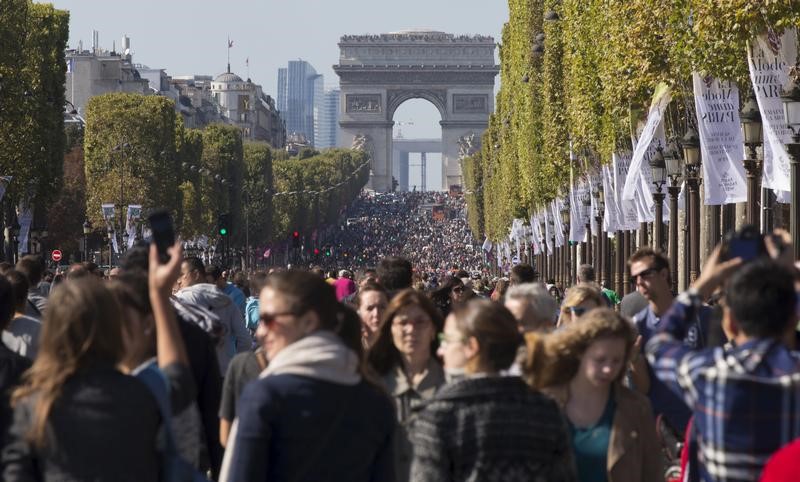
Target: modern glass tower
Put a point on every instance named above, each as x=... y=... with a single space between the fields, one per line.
x=300 y=98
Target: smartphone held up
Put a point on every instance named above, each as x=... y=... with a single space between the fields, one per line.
x=163 y=232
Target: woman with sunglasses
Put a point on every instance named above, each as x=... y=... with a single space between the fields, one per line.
x=486 y=426
x=612 y=427
x=403 y=356
x=579 y=300
x=292 y=421
x=451 y=294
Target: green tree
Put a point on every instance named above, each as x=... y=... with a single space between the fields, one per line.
x=130 y=153
x=257 y=188
x=222 y=160
x=32 y=69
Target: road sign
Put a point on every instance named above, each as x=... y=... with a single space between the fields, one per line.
x=56 y=255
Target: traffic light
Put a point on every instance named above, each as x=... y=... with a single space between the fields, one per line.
x=316 y=251
x=328 y=251
x=296 y=240
x=223 y=224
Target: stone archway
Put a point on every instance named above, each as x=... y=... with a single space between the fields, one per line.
x=377 y=73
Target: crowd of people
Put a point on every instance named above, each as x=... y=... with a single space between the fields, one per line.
x=404 y=224
x=175 y=370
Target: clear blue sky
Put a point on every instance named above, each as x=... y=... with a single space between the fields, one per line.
x=189 y=37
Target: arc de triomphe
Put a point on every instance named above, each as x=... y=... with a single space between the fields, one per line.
x=377 y=73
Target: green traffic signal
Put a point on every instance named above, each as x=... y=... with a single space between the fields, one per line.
x=223 y=231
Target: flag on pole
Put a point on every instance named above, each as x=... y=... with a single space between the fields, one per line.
x=230 y=43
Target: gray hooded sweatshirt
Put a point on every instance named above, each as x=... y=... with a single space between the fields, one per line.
x=235 y=338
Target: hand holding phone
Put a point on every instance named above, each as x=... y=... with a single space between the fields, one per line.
x=163 y=233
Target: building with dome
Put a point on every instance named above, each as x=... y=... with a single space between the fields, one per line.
x=243 y=103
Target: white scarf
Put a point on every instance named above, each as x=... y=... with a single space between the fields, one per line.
x=321 y=356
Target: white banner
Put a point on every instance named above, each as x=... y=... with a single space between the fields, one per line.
x=770 y=58
x=611 y=212
x=629 y=218
x=661 y=99
x=721 y=144
x=133 y=217
x=536 y=235
x=577 y=226
x=548 y=234
x=25 y=220
x=557 y=204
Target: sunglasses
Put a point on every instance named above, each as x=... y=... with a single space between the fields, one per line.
x=644 y=274
x=269 y=319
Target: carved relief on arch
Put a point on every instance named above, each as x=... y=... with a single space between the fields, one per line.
x=437 y=97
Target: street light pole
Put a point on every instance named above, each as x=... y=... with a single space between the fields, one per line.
x=674 y=165
x=691 y=154
x=752 y=131
x=658 y=168
x=790 y=96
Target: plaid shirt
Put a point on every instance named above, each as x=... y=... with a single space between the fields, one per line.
x=745 y=401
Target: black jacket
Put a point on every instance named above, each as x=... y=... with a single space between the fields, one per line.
x=202 y=356
x=12 y=365
x=103 y=427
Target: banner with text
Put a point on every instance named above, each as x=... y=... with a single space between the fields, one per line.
x=721 y=143
x=770 y=58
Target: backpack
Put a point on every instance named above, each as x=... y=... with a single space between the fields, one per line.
x=251 y=315
x=174 y=467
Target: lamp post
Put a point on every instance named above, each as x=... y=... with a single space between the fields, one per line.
x=587 y=206
x=87 y=230
x=691 y=154
x=790 y=96
x=567 y=245
x=602 y=240
x=14 y=238
x=752 y=130
x=658 y=168
x=674 y=164
x=121 y=148
x=110 y=239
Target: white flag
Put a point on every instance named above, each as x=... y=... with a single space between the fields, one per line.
x=661 y=99
x=629 y=218
x=577 y=226
x=770 y=58
x=611 y=212
x=721 y=144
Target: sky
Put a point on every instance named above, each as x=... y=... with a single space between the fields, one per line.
x=190 y=37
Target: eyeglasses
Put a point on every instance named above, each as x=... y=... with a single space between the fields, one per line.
x=458 y=289
x=444 y=340
x=269 y=319
x=644 y=274
x=577 y=310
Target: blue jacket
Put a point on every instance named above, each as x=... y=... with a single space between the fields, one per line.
x=300 y=429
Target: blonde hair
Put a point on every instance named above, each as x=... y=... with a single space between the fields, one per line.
x=577 y=295
x=81 y=328
x=554 y=358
